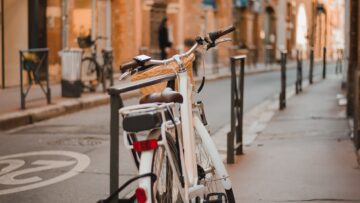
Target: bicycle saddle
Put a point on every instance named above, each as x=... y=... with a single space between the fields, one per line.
x=166 y=96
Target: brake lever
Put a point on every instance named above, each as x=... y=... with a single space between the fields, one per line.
x=214 y=44
x=223 y=40
x=124 y=75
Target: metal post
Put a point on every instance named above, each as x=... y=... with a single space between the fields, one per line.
x=297 y=72
x=93 y=25
x=311 y=65
x=230 y=135
x=324 y=63
x=115 y=105
x=282 y=96
x=64 y=18
x=239 y=135
x=48 y=90
x=301 y=73
x=108 y=25
x=356 y=113
x=22 y=96
x=2 y=46
x=236 y=109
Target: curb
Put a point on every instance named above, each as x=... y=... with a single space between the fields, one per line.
x=256 y=119
x=16 y=119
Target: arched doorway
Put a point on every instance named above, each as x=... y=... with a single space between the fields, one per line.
x=270 y=34
x=301 y=29
x=157 y=14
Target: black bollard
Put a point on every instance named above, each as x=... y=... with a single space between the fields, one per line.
x=300 y=72
x=297 y=81
x=282 y=96
x=324 y=63
x=311 y=65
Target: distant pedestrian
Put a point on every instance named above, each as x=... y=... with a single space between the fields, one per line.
x=164 y=42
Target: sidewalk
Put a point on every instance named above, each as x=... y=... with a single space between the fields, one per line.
x=303 y=155
x=12 y=116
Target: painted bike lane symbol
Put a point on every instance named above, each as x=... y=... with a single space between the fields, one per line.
x=18 y=175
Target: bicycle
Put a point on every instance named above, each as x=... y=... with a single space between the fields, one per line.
x=177 y=159
x=96 y=72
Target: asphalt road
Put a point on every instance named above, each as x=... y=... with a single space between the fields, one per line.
x=47 y=172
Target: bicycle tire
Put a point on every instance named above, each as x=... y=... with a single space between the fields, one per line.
x=109 y=71
x=163 y=190
x=106 y=75
x=91 y=68
x=209 y=179
x=103 y=79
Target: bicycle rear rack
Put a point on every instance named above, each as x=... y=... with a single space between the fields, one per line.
x=116 y=103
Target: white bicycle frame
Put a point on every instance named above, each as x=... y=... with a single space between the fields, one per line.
x=192 y=120
x=189 y=122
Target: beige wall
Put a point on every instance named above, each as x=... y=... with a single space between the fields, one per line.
x=16 y=38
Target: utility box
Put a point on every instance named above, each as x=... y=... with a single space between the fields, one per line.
x=71 y=85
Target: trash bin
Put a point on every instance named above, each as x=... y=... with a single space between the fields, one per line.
x=71 y=85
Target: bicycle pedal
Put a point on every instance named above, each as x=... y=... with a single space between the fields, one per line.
x=215 y=198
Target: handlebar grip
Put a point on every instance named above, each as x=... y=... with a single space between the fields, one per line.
x=128 y=66
x=216 y=35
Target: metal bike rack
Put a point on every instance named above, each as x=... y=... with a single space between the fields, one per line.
x=34 y=61
x=282 y=96
x=237 y=108
x=115 y=104
x=324 y=63
x=298 y=82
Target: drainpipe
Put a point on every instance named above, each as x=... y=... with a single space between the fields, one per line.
x=93 y=14
x=108 y=25
x=181 y=26
x=64 y=19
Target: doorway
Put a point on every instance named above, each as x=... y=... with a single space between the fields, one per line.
x=37 y=24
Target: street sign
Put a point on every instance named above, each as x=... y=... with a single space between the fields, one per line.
x=27 y=171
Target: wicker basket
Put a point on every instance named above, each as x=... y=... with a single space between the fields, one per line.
x=162 y=70
x=85 y=42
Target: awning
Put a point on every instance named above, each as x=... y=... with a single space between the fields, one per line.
x=241 y=3
x=211 y=3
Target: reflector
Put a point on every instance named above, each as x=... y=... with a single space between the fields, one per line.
x=145 y=145
x=140 y=195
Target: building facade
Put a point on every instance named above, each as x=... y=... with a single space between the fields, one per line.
x=263 y=28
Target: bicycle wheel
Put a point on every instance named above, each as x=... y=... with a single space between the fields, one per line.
x=90 y=73
x=165 y=188
x=208 y=176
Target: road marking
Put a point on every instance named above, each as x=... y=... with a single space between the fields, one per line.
x=10 y=176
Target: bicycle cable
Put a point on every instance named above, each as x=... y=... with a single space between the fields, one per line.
x=203 y=69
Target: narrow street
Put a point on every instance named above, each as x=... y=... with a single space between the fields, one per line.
x=87 y=132
x=64 y=64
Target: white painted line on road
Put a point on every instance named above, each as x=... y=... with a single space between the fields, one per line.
x=10 y=177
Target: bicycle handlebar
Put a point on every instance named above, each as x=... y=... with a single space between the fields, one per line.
x=213 y=36
x=216 y=35
x=128 y=66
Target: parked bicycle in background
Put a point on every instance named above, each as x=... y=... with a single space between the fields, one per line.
x=93 y=72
